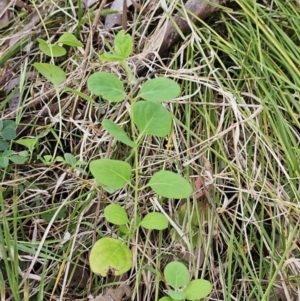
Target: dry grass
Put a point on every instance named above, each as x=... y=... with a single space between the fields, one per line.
x=235 y=137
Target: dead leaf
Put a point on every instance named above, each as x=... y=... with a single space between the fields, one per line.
x=116 y=19
x=121 y=293
x=34 y=19
x=22 y=4
x=199 y=187
x=5 y=15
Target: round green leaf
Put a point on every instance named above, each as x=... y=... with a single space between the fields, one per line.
x=110 y=256
x=197 y=289
x=117 y=132
x=159 y=89
x=69 y=39
x=115 y=214
x=52 y=73
x=151 y=118
x=176 y=295
x=111 y=173
x=176 y=274
x=170 y=185
x=107 y=85
x=8 y=131
x=155 y=221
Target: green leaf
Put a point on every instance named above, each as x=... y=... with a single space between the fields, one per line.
x=117 y=132
x=110 y=256
x=110 y=57
x=8 y=153
x=51 y=50
x=197 y=289
x=70 y=159
x=8 y=131
x=28 y=142
x=3 y=161
x=151 y=118
x=111 y=173
x=3 y=145
x=176 y=295
x=107 y=85
x=123 y=44
x=69 y=39
x=176 y=274
x=52 y=73
x=170 y=185
x=17 y=159
x=115 y=214
x=159 y=89
x=23 y=154
x=155 y=221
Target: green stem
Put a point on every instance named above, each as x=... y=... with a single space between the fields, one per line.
x=131 y=77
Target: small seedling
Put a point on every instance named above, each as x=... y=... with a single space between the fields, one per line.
x=68 y=159
x=55 y=50
x=7 y=134
x=177 y=277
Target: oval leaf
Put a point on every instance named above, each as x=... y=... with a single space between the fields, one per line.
x=117 y=132
x=197 y=289
x=50 y=49
x=107 y=85
x=159 y=89
x=3 y=161
x=53 y=74
x=111 y=173
x=69 y=39
x=115 y=214
x=123 y=44
x=155 y=221
x=176 y=274
x=17 y=159
x=170 y=185
x=110 y=257
x=151 y=118
x=8 y=131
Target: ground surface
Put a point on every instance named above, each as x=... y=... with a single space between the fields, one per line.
x=235 y=137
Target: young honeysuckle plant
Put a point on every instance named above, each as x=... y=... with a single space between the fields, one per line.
x=148 y=116
x=112 y=256
x=177 y=277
